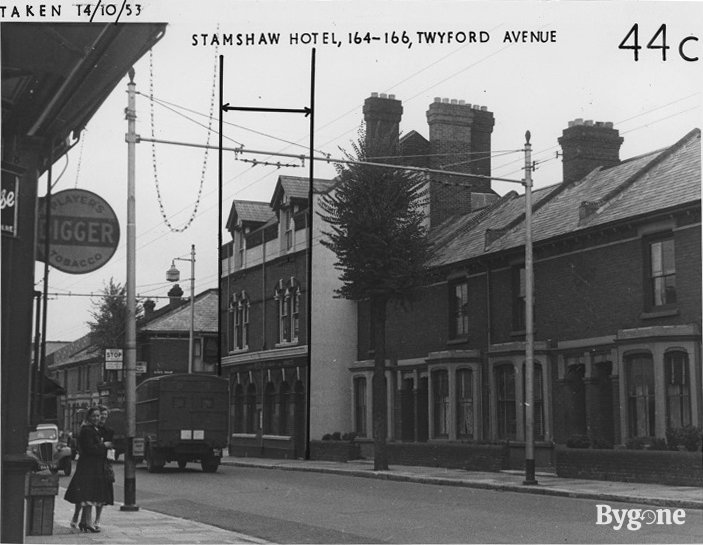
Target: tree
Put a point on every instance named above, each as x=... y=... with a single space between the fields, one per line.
x=109 y=315
x=375 y=218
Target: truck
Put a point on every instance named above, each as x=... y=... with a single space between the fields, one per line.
x=183 y=418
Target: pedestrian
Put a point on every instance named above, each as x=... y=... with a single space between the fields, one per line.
x=107 y=435
x=90 y=485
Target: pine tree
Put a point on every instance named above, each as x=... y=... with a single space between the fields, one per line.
x=375 y=218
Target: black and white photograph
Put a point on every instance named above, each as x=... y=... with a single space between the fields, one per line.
x=351 y=271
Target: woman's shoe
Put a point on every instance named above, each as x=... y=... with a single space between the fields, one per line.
x=74 y=525
x=93 y=529
x=82 y=526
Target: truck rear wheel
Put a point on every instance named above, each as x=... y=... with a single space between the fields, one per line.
x=210 y=465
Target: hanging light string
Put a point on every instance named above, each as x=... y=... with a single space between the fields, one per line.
x=80 y=157
x=164 y=215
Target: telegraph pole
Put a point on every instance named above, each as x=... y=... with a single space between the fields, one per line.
x=529 y=325
x=130 y=481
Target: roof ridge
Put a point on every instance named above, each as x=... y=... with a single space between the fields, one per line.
x=663 y=154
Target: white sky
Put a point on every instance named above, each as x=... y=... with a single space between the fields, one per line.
x=536 y=87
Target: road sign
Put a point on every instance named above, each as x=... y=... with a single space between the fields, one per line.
x=138 y=446
x=113 y=359
x=83 y=231
x=141 y=367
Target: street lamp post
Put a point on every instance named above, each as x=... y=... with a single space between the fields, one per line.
x=172 y=275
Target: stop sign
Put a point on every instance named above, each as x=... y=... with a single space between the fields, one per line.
x=83 y=231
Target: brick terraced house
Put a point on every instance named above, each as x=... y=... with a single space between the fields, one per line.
x=617 y=265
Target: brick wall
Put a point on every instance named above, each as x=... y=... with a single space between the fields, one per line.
x=663 y=467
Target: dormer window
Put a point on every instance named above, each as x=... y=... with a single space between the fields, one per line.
x=287 y=227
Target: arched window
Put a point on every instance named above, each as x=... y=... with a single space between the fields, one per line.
x=287 y=295
x=505 y=401
x=251 y=424
x=465 y=404
x=283 y=408
x=678 y=389
x=238 y=416
x=640 y=394
x=239 y=308
x=269 y=408
x=440 y=400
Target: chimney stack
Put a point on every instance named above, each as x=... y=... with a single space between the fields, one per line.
x=587 y=145
x=149 y=306
x=460 y=141
x=175 y=295
x=382 y=115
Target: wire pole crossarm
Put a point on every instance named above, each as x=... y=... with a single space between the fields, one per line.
x=307 y=110
x=329 y=159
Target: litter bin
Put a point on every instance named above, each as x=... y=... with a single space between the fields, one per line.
x=41 y=494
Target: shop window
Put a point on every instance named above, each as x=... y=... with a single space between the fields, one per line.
x=269 y=407
x=661 y=272
x=440 y=400
x=251 y=423
x=360 y=406
x=678 y=389
x=465 y=404
x=640 y=395
x=505 y=401
x=283 y=408
x=238 y=423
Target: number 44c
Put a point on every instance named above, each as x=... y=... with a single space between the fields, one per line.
x=658 y=41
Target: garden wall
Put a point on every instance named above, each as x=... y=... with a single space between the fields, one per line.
x=681 y=468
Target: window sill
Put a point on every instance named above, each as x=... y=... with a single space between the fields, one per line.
x=661 y=313
x=239 y=350
x=518 y=333
x=286 y=343
x=458 y=340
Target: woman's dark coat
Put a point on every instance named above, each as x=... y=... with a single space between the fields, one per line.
x=89 y=482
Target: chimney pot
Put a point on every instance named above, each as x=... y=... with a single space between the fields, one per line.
x=588 y=123
x=608 y=124
x=437 y=99
x=392 y=97
x=445 y=101
x=454 y=101
x=462 y=102
x=374 y=95
x=383 y=95
x=484 y=108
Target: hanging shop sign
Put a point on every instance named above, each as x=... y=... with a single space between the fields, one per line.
x=83 y=231
x=9 y=203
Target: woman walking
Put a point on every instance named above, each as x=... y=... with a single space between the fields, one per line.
x=90 y=485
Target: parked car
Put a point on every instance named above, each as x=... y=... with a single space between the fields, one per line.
x=49 y=452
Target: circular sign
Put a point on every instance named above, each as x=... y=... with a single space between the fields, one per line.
x=83 y=231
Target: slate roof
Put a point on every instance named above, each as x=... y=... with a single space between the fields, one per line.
x=296 y=187
x=178 y=319
x=636 y=187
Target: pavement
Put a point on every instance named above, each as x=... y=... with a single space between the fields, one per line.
x=147 y=527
